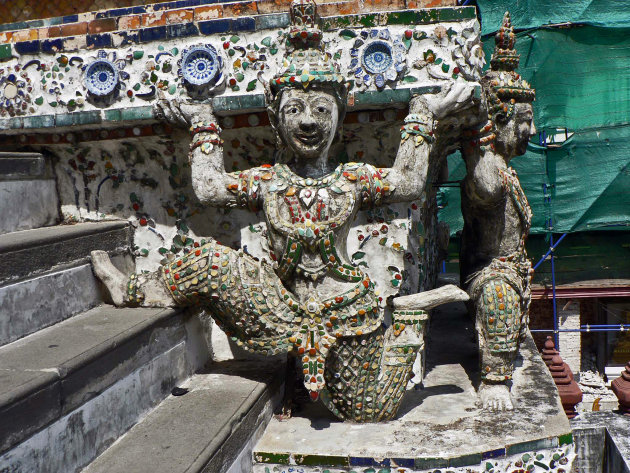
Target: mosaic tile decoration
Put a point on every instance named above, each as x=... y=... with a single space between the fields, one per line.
x=554 y=454
x=149 y=63
x=70 y=16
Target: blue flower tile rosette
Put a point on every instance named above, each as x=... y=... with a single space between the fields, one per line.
x=200 y=69
x=103 y=76
x=377 y=58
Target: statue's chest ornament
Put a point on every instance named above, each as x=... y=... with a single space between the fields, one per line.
x=305 y=209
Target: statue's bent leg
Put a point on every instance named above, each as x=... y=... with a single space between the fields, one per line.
x=367 y=375
x=498 y=323
x=243 y=295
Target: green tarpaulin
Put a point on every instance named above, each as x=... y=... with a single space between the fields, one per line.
x=582 y=80
x=535 y=13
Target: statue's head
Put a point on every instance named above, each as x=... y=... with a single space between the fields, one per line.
x=307 y=98
x=508 y=97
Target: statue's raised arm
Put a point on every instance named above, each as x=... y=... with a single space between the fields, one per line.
x=210 y=182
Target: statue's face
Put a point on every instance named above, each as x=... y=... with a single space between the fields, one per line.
x=308 y=121
x=512 y=137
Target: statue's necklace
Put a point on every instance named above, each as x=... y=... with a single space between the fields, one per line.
x=307 y=188
x=288 y=176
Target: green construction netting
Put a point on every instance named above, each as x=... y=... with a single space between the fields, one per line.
x=535 y=13
x=582 y=80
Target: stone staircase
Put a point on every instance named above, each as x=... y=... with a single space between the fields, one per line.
x=28 y=190
x=76 y=374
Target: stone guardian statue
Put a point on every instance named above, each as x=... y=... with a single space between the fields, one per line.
x=308 y=299
x=494 y=266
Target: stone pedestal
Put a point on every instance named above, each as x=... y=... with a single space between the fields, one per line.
x=439 y=427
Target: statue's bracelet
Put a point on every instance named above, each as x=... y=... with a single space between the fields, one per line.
x=417 y=118
x=415 y=129
x=205 y=143
x=201 y=127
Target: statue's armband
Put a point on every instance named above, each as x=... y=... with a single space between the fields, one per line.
x=374 y=186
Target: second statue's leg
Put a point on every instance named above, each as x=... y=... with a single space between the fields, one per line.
x=498 y=323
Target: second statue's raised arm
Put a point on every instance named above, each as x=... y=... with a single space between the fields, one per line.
x=209 y=180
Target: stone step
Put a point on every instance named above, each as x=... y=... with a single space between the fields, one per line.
x=68 y=391
x=47 y=277
x=29 y=192
x=212 y=428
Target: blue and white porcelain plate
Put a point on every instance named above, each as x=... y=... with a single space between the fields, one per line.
x=201 y=65
x=377 y=57
x=101 y=77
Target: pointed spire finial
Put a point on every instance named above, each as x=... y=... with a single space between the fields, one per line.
x=504 y=57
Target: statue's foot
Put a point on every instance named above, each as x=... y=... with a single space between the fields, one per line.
x=495 y=397
x=114 y=280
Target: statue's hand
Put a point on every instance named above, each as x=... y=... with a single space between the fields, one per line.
x=181 y=113
x=454 y=97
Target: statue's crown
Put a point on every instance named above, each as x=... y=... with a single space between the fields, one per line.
x=503 y=86
x=308 y=63
x=503 y=79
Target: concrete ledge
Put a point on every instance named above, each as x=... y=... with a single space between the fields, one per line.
x=202 y=431
x=34 y=252
x=50 y=373
x=28 y=204
x=439 y=427
x=603 y=442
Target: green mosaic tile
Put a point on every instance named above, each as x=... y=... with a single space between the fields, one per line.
x=112 y=115
x=136 y=113
x=531 y=446
x=40 y=121
x=265 y=457
x=410 y=17
x=239 y=102
x=87 y=118
x=427 y=463
x=5 y=51
x=376 y=97
x=457 y=14
x=368 y=20
x=566 y=439
x=64 y=119
x=321 y=460
x=465 y=460
x=11 y=123
x=404 y=17
x=274 y=20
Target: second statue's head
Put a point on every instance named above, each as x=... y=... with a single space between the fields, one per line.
x=307 y=98
x=508 y=96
